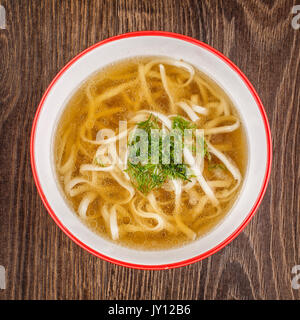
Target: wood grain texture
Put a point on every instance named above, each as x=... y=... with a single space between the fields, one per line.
x=41 y=37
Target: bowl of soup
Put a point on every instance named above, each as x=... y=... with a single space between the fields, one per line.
x=151 y=150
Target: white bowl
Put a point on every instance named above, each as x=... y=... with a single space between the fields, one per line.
x=206 y=59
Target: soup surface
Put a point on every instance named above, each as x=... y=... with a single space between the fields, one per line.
x=150 y=153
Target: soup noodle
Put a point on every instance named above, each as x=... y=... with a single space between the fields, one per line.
x=149 y=206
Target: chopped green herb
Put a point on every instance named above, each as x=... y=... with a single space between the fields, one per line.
x=145 y=177
x=206 y=152
x=182 y=124
x=98 y=162
x=148 y=176
x=150 y=123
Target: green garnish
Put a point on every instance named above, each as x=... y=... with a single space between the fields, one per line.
x=146 y=175
x=98 y=163
x=150 y=123
x=182 y=124
x=206 y=152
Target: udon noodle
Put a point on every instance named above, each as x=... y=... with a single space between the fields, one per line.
x=149 y=206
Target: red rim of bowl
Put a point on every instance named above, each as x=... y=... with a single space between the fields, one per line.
x=261 y=193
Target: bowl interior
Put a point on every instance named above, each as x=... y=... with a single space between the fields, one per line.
x=207 y=61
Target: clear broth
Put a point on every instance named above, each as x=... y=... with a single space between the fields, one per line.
x=75 y=114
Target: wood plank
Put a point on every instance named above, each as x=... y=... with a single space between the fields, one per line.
x=41 y=37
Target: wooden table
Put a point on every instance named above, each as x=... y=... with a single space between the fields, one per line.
x=41 y=37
